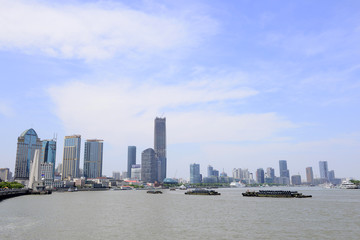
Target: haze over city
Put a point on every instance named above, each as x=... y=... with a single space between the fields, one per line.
x=242 y=84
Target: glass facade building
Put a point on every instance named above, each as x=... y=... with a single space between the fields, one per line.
x=48 y=153
x=309 y=175
x=149 y=166
x=71 y=157
x=131 y=159
x=260 y=176
x=27 y=143
x=160 y=146
x=284 y=172
x=195 y=173
x=93 y=158
x=324 y=171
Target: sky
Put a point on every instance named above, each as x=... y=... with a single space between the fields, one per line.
x=242 y=84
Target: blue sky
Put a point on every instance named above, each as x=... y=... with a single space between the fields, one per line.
x=242 y=84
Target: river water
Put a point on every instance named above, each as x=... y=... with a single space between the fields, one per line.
x=329 y=214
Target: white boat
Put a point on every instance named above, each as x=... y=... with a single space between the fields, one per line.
x=237 y=185
x=348 y=185
x=182 y=187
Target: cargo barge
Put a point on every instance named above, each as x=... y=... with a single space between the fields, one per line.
x=202 y=192
x=275 y=194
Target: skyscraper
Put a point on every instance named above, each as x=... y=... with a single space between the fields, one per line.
x=93 y=158
x=270 y=173
x=149 y=166
x=131 y=159
x=296 y=180
x=324 y=171
x=210 y=171
x=28 y=142
x=160 y=146
x=71 y=157
x=195 y=173
x=260 y=175
x=284 y=172
x=309 y=175
x=48 y=153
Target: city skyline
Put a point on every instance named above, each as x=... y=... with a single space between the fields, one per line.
x=242 y=84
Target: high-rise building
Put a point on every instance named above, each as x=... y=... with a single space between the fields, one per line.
x=131 y=159
x=71 y=157
x=270 y=173
x=296 y=180
x=116 y=175
x=93 y=158
x=309 y=175
x=160 y=146
x=284 y=172
x=195 y=173
x=324 y=172
x=4 y=174
x=331 y=176
x=260 y=178
x=48 y=154
x=27 y=143
x=149 y=166
x=210 y=171
x=136 y=172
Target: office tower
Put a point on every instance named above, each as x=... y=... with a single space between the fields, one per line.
x=27 y=143
x=131 y=159
x=195 y=173
x=331 y=176
x=93 y=158
x=270 y=173
x=71 y=157
x=260 y=175
x=324 y=172
x=160 y=146
x=149 y=166
x=236 y=172
x=136 y=172
x=48 y=154
x=47 y=173
x=284 y=172
x=216 y=173
x=210 y=171
x=296 y=180
x=4 y=174
x=309 y=175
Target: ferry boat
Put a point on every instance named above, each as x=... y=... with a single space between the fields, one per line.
x=202 y=192
x=237 y=185
x=276 y=194
x=154 y=191
x=348 y=185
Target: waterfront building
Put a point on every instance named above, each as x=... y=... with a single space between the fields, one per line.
x=210 y=171
x=236 y=172
x=93 y=158
x=4 y=174
x=48 y=155
x=71 y=157
x=195 y=173
x=331 y=176
x=27 y=143
x=216 y=173
x=270 y=173
x=47 y=173
x=136 y=172
x=309 y=175
x=324 y=172
x=131 y=159
x=160 y=146
x=149 y=166
x=116 y=175
x=284 y=172
x=260 y=176
x=296 y=180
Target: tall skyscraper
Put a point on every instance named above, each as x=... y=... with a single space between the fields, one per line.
x=210 y=171
x=324 y=171
x=195 y=173
x=309 y=175
x=48 y=153
x=149 y=166
x=131 y=159
x=27 y=143
x=160 y=146
x=284 y=172
x=93 y=158
x=331 y=176
x=71 y=157
x=260 y=178
x=270 y=173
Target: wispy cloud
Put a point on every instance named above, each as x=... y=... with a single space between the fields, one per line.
x=95 y=31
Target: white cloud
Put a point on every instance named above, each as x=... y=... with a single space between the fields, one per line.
x=94 y=31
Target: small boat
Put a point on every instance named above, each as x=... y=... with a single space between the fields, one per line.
x=154 y=191
x=202 y=192
x=237 y=185
x=275 y=194
x=182 y=187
